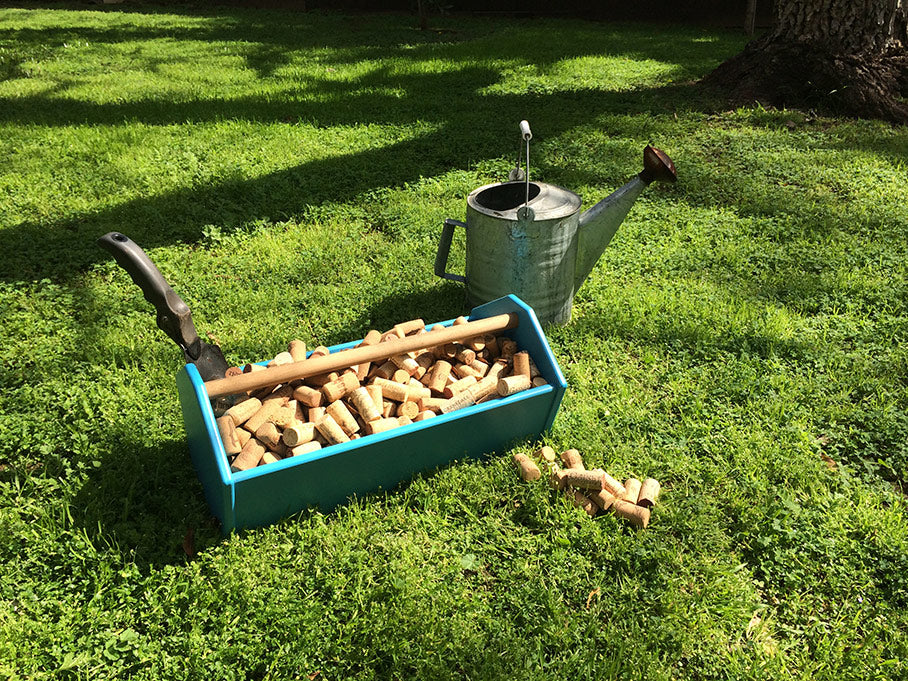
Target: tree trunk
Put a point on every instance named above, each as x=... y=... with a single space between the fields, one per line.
x=846 y=26
x=845 y=57
x=750 y=17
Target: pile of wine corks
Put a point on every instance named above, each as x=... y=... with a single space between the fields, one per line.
x=305 y=415
x=595 y=491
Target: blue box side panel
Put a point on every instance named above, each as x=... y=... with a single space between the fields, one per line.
x=329 y=481
x=205 y=446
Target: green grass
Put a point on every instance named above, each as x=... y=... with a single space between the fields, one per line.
x=289 y=174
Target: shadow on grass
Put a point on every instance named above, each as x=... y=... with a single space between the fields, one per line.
x=145 y=500
x=470 y=124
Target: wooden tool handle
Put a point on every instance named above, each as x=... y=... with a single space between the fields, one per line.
x=353 y=356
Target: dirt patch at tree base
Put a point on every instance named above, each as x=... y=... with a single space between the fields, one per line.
x=800 y=76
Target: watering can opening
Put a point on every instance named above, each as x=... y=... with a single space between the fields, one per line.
x=506 y=196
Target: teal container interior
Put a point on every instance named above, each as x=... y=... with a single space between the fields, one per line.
x=329 y=476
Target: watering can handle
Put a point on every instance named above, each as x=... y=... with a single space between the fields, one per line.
x=444 y=248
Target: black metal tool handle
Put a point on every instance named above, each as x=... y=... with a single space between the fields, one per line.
x=444 y=248
x=173 y=315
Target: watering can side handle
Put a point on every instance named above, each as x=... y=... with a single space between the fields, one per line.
x=444 y=247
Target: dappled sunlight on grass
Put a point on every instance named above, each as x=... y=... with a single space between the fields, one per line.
x=741 y=339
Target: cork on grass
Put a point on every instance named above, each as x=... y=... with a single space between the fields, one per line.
x=592 y=490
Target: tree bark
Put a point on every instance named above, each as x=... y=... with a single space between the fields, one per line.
x=846 y=57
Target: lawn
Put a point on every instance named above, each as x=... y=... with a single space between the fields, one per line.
x=289 y=173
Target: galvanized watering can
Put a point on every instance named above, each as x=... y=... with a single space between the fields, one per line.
x=529 y=238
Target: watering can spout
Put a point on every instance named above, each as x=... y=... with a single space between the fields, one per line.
x=599 y=224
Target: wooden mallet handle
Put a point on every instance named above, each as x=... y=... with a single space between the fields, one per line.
x=368 y=353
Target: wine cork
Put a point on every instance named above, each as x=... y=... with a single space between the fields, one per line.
x=229 y=438
x=583 y=501
x=385 y=370
x=546 y=453
x=270 y=456
x=425 y=360
x=298 y=433
x=637 y=515
x=331 y=430
x=297 y=350
x=393 y=391
x=308 y=396
x=614 y=486
x=381 y=425
x=571 y=459
x=497 y=369
x=268 y=434
x=603 y=499
x=242 y=411
x=364 y=404
x=446 y=351
x=320 y=379
x=284 y=416
x=282 y=393
x=409 y=327
x=423 y=415
x=539 y=381
x=522 y=364
x=459 y=401
x=480 y=367
x=400 y=376
x=458 y=386
x=313 y=414
x=372 y=337
x=249 y=457
x=476 y=344
x=342 y=386
x=418 y=390
x=340 y=413
x=266 y=411
x=436 y=378
x=432 y=404
x=243 y=436
x=464 y=370
x=649 y=492
x=592 y=480
x=406 y=363
x=404 y=420
x=513 y=384
x=319 y=351
x=528 y=470
x=376 y=394
x=465 y=355
x=280 y=359
x=485 y=387
x=631 y=490
x=408 y=409
x=305 y=448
